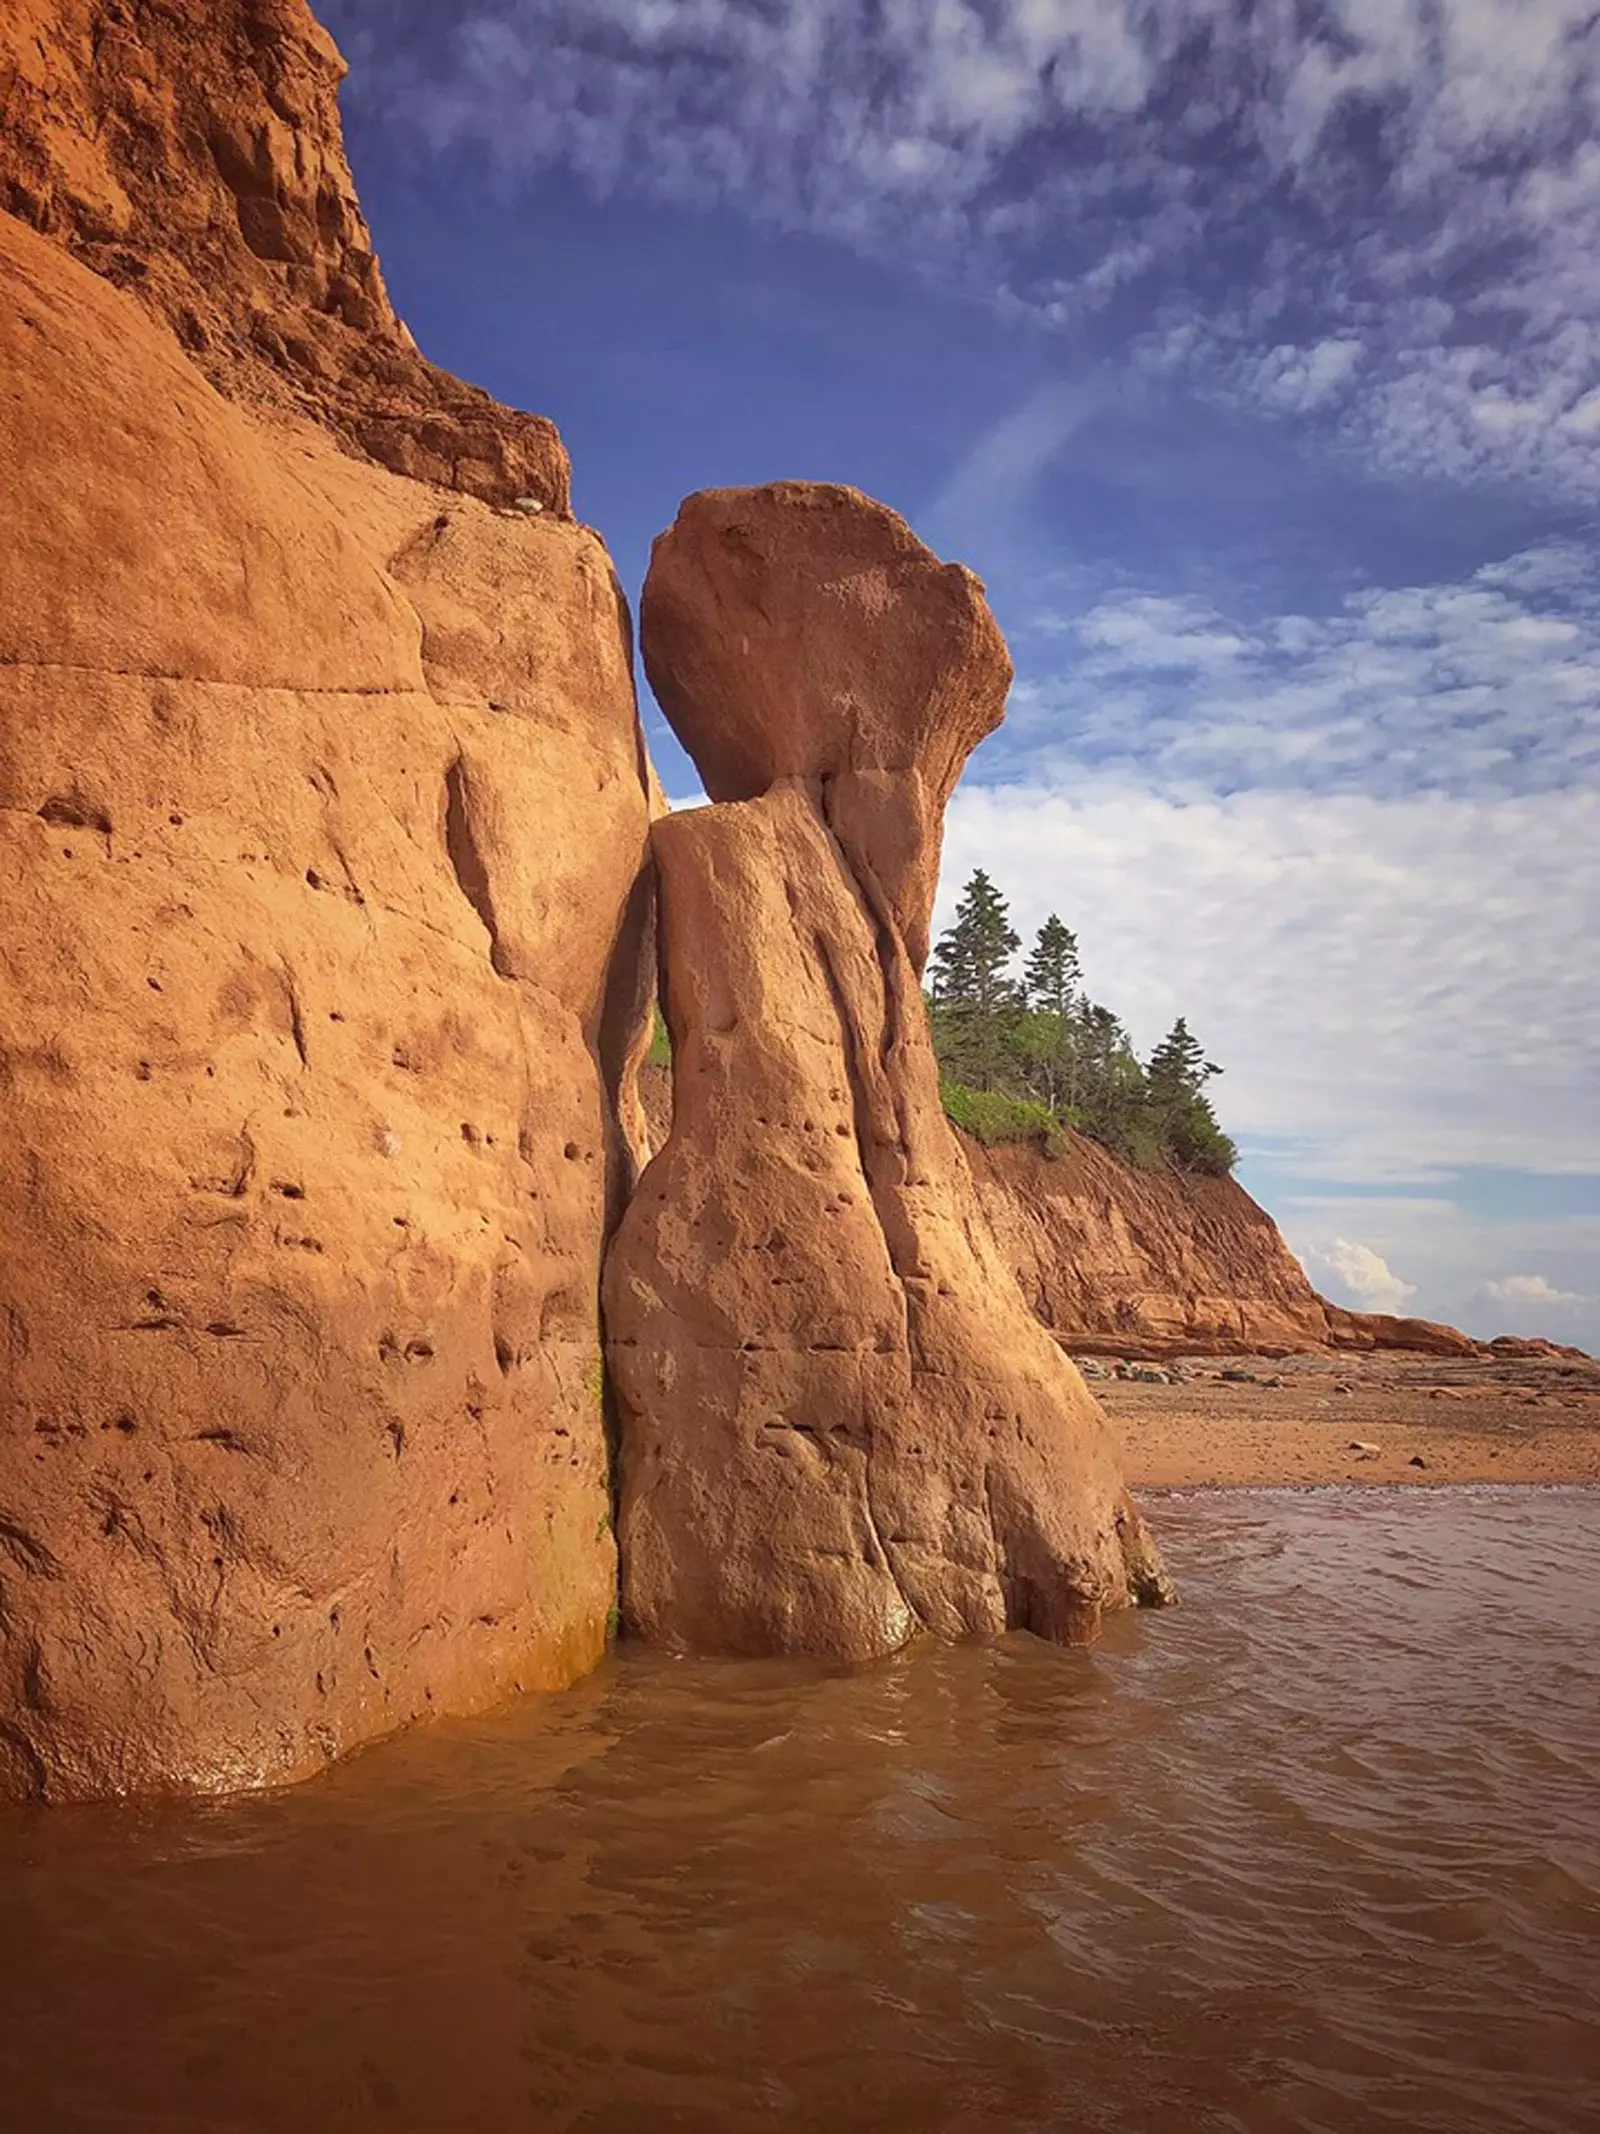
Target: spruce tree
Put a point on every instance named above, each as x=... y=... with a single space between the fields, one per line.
x=1043 y=1038
x=1178 y=1066
x=1052 y=974
x=970 y=963
x=975 y=998
x=1180 y=1110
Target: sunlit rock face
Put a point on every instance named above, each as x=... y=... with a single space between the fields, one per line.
x=324 y=918
x=840 y=1424
x=190 y=151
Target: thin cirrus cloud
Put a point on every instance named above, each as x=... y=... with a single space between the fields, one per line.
x=1381 y=214
x=1487 y=686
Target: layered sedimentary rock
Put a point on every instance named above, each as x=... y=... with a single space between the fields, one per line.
x=1136 y=1263
x=323 y=815
x=190 y=152
x=839 y=1422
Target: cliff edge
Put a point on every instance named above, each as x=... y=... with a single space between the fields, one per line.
x=190 y=153
x=1139 y=1263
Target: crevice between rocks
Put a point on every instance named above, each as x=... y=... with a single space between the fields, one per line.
x=467 y=862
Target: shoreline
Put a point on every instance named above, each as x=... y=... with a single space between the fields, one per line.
x=1368 y=1422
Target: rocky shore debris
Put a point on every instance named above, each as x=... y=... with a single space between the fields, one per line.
x=1523 y=1417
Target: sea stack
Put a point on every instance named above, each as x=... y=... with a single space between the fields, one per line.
x=839 y=1423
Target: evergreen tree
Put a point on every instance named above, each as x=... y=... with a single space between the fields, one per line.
x=1021 y=1061
x=1180 y=1110
x=1111 y=1097
x=971 y=961
x=1043 y=1037
x=1178 y=1066
x=1052 y=974
x=975 y=998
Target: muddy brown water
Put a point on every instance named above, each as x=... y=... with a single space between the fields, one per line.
x=1319 y=1850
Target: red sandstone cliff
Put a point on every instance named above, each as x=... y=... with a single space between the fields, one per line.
x=190 y=152
x=309 y=1085
x=1116 y=1260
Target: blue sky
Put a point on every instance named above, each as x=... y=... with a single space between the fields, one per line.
x=1252 y=356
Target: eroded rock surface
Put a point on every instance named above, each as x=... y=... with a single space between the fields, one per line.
x=190 y=151
x=1126 y=1262
x=839 y=1421
x=323 y=828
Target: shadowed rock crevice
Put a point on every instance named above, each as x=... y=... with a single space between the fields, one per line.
x=839 y=1423
x=466 y=861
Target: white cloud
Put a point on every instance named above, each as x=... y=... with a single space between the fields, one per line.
x=1363 y=1276
x=1280 y=182
x=1300 y=379
x=1490 y=686
x=1534 y=1304
x=1535 y=1289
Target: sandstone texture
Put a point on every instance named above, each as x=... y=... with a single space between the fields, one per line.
x=1122 y=1262
x=325 y=910
x=190 y=152
x=839 y=1422
x=793 y=631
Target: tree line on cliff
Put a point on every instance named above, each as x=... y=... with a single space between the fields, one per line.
x=1021 y=1058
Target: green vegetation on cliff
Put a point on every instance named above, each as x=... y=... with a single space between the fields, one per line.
x=1022 y=1058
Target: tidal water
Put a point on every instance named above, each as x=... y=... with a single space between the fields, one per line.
x=1318 y=1850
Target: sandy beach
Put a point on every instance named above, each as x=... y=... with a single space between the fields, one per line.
x=1378 y=1420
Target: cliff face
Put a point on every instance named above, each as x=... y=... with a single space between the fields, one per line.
x=189 y=151
x=309 y=1084
x=1116 y=1260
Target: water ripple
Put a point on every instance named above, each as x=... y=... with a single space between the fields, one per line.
x=1317 y=1853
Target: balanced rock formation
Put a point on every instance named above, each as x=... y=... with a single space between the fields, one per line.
x=310 y=1084
x=839 y=1423
x=812 y=684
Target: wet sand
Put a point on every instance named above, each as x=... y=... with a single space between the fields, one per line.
x=1298 y=1421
